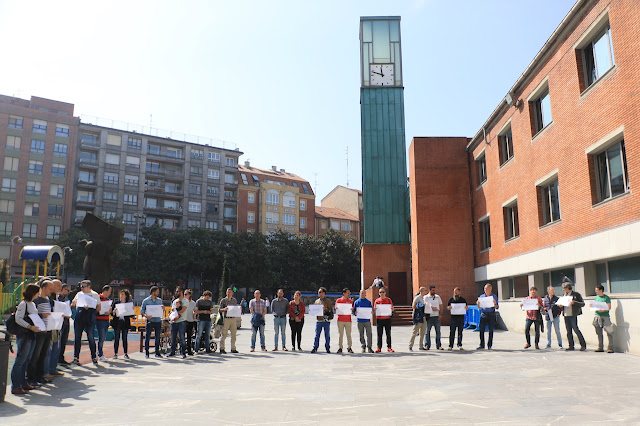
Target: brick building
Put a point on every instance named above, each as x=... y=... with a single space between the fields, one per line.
x=38 y=150
x=272 y=200
x=348 y=200
x=552 y=174
x=338 y=220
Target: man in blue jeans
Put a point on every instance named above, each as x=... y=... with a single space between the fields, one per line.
x=179 y=325
x=258 y=309
x=487 y=316
x=279 y=308
x=204 y=306
x=102 y=321
x=84 y=321
x=153 y=323
x=323 y=322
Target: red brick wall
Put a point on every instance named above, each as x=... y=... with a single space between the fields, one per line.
x=578 y=122
x=380 y=259
x=244 y=207
x=441 y=233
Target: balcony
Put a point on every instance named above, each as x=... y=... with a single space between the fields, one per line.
x=171 y=174
x=163 y=211
x=163 y=192
x=87 y=183
x=85 y=202
x=90 y=143
x=230 y=218
x=114 y=167
x=91 y=163
x=165 y=156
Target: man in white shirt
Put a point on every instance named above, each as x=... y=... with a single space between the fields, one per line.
x=433 y=304
x=191 y=320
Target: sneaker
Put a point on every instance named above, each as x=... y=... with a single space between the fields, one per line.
x=264 y=350
x=19 y=391
x=233 y=351
x=314 y=350
x=424 y=349
x=570 y=348
x=63 y=361
x=480 y=347
x=158 y=355
x=102 y=359
x=599 y=350
x=328 y=350
x=115 y=357
x=583 y=348
x=378 y=350
x=390 y=350
x=537 y=347
x=370 y=350
x=184 y=356
x=364 y=350
x=95 y=361
x=609 y=351
x=222 y=351
x=488 y=348
x=441 y=348
x=293 y=349
x=274 y=349
x=549 y=347
x=349 y=350
x=339 y=351
x=284 y=348
x=57 y=374
x=410 y=348
x=460 y=347
x=126 y=356
x=147 y=355
x=527 y=346
x=450 y=348
x=252 y=350
x=76 y=361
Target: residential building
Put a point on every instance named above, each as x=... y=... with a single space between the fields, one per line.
x=272 y=200
x=551 y=175
x=338 y=220
x=38 y=152
x=348 y=200
x=156 y=180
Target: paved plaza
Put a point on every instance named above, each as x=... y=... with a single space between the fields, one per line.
x=507 y=385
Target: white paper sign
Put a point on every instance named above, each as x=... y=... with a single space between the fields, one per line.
x=155 y=311
x=316 y=310
x=124 y=309
x=174 y=315
x=383 y=310
x=564 y=301
x=55 y=321
x=234 y=311
x=597 y=306
x=85 y=301
x=458 y=308
x=485 y=302
x=37 y=321
x=364 y=313
x=429 y=304
x=62 y=307
x=105 y=306
x=530 y=304
x=343 y=308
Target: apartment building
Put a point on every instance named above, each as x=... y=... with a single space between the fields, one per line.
x=272 y=200
x=38 y=152
x=338 y=220
x=151 y=180
x=349 y=201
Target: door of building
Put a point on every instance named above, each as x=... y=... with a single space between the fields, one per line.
x=398 y=288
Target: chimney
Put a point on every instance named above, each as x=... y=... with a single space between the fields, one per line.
x=281 y=170
x=247 y=164
x=274 y=168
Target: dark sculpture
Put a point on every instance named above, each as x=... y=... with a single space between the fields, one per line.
x=105 y=238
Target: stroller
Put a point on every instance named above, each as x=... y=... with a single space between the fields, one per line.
x=213 y=345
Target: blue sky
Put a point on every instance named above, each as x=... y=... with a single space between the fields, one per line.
x=280 y=79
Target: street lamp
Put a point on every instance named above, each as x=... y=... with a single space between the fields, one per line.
x=65 y=250
x=14 y=240
x=138 y=216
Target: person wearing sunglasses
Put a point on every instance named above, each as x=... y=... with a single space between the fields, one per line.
x=383 y=321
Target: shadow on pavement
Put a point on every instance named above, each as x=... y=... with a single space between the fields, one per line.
x=7 y=409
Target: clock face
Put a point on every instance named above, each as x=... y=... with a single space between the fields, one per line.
x=381 y=75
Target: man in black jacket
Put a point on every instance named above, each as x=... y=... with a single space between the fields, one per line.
x=571 y=313
x=552 y=315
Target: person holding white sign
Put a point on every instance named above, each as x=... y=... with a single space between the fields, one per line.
x=64 y=333
x=571 y=313
x=433 y=309
x=533 y=316
x=36 y=369
x=601 y=321
x=458 y=307
x=344 y=320
x=552 y=314
x=323 y=322
x=154 y=322
x=418 y=319
x=179 y=324
x=121 y=324
x=25 y=341
x=230 y=323
x=102 y=320
x=51 y=361
x=362 y=308
x=383 y=318
x=204 y=308
x=487 y=314
x=296 y=319
x=84 y=321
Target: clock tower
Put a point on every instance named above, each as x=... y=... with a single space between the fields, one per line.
x=386 y=250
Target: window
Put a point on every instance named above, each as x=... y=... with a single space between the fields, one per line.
x=624 y=275
x=228 y=228
x=211 y=225
x=212 y=208
x=33 y=188
x=256 y=181
x=612 y=177
x=114 y=140
x=229 y=195
x=6 y=229
x=212 y=190
x=288 y=219
x=214 y=156
x=244 y=179
x=39 y=126
x=31 y=209
x=85 y=196
x=7 y=206
x=485 y=233
x=303 y=204
x=194 y=189
x=58 y=170
x=193 y=223
x=213 y=174
x=13 y=142
x=54 y=212
x=35 y=167
x=173 y=205
x=11 y=164
x=62 y=130
x=85 y=176
x=110 y=196
x=540 y=108
x=229 y=212
x=134 y=143
x=273 y=197
x=153 y=167
x=346 y=226
x=231 y=162
x=151 y=203
x=90 y=139
x=195 y=207
x=303 y=223
x=108 y=215
x=9 y=185
x=229 y=178
x=549 y=202
x=37 y=146
x=56 y=190
x=128 y=219
x=174 y=152
x=197 y=153
x=15 y=122
x=554 y=278
x=598 y=56
x=511 y=225
x=111 y=178
x=132 y=162
x=29 y=230
x=131 y=180
x=506 y=145
x=60 y=150
x=112 y=159
x=251 y=217
x=289 y=199
x=481 y=168
x=131 y=199
x=88 y=157
x=335 y=224
x=305 y=188
x=323 y=224
x=196 y=170
x=251 y=197
x=272 y=217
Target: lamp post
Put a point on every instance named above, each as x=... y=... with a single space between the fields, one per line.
x=138 y=216
x=65 y=250
x=15 y=239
